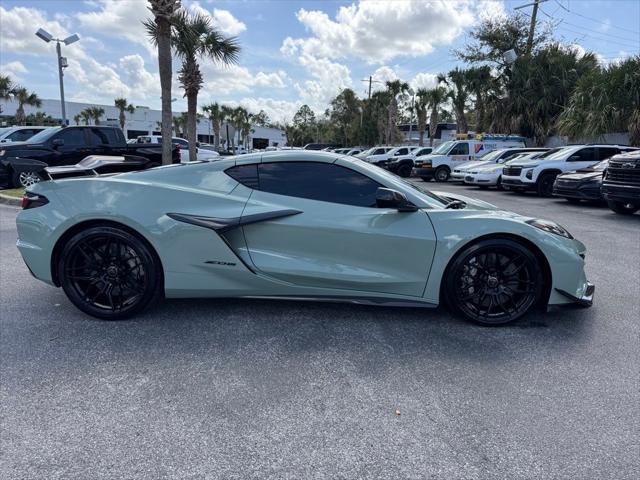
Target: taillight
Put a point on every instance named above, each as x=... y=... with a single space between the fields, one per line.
x=33 y=200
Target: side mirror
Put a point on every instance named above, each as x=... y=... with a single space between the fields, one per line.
x=388 y=198
x=57 y=142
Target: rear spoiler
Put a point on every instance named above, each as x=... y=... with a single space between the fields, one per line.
x=100 y=165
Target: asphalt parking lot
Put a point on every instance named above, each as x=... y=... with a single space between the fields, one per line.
x=256 y=389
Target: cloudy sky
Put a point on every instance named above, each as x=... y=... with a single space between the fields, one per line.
x=293 y=52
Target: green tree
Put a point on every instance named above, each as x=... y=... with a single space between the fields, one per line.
x=194 y=38
x=435 y=97
x=40 y=118
x=606 y=100
x=215 y=115
x=395 y=88
x=457 y=81
x=345 y=114
x=6 y=87
x=95 y=113
x=261 y=119
x=421 y=106
x=77 y=118
x=23 y=97
x=159 y=29
x=86 y=116
x=480 y=82
x=123 y=106
x=304 y=127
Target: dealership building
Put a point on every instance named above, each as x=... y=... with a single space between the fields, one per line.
x=145 y=121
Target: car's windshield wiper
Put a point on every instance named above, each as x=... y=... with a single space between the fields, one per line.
x=456 y=204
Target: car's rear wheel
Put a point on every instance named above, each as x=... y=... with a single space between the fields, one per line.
x=545 y=184
x=494 y=281
x=622 y=208
x=499 y=184
x=109 y=273
x=404 y=170
x=442 y=174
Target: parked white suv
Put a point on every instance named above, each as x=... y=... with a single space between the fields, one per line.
x=384 y=159
x=402 y=165
x=539 y=174
x=449 y=155
x=18 y=134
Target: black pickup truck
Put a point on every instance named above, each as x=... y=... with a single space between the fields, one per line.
x=621 y=183
x=23 y=163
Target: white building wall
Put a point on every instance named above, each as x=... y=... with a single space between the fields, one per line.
x=143 y=120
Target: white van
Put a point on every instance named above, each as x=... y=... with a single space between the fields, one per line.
x=202 y=154
x=449 y=155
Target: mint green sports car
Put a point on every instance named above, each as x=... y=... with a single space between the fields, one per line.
x=295 y=224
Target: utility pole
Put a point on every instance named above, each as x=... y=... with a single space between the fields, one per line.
x=370 y=79
x=532 y=26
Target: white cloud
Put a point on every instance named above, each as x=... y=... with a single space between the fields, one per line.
x=13 y=70
x=278 y=110
x=328 y=79
x=379 y=31
x=424 y=80
x=491 y=9
x=118 y=18
x=224 y=80
x=223 y=20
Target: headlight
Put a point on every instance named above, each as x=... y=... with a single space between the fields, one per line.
x=529 y=174
x=550 y=227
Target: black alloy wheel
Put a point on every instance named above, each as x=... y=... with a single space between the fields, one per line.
x=404 y=170
x=109 y=273
x=545 y=184
x=494 y=281
x=623 y=208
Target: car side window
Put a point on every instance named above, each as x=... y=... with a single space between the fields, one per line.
x=606 y=152
x=583 y=155
x=402 y=151
x=247 y=175
x=72 y=136
x=21 y=135
x=460 y=149
x=323 y=182
x=97 y=137
x=181 y=142
x=424 y=151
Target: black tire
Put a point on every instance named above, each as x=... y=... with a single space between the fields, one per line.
x=544 y=187
x=622 y=208
x=109 y=273
x=426 y=179
x=24 y=179
x=404 y=170
x=493 y=282
x=442 y=174
x=484 y=187
x=499 y=184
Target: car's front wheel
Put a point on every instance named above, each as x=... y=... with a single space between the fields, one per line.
x=25 y=179
x=622 y=208
x=494 y=281
x=442 y=174
x=404 y=170
x=109 y=273
x=545 y=183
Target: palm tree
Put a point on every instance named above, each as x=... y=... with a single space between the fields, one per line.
x=216 y=116
x=435 y=97
x=227 y=117
x=395 y=88
x=178 y=125
x=194 y=38
x=421 y=105
x=96 y=113
x=458 y=82
x=76 y=118
x=6 y=87
x=480 y=82
x=122 y=106
x=159 y=28
x=23 y=97
x=86 y=116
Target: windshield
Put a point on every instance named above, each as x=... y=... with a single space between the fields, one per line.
x=443 y=148
x=44 y=135
x=601 y=165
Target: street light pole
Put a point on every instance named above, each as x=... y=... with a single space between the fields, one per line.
x=62 y=63
x=60 y=75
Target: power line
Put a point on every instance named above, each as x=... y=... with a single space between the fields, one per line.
x=594 y=19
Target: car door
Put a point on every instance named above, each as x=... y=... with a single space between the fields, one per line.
x=71 y=146
x=460 y=152
x=336 y=238
x=583 y=158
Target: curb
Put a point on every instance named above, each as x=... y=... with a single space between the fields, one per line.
x=7 y=200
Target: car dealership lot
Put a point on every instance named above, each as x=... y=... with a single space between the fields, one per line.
x=247 y=388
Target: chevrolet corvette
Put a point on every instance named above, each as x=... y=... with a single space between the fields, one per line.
x=297 y=225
